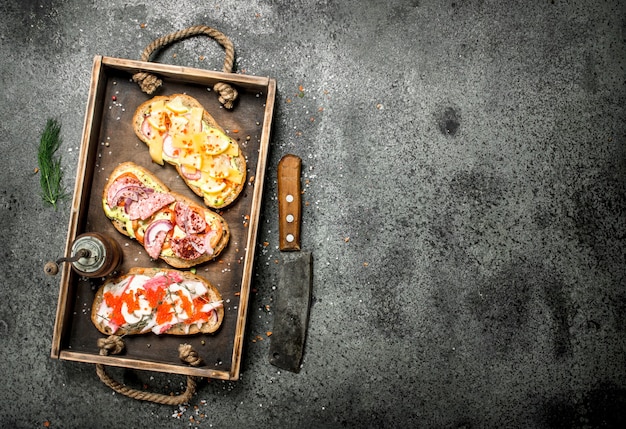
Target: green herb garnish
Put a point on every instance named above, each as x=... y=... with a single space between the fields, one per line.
x=50 y=166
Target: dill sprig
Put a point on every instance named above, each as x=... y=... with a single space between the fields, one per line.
x=50 y=166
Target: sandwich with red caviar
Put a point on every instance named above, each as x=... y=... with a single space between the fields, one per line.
x=160 y=301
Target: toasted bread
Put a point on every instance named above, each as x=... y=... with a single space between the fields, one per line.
x=159 y=301
x=169 y=225
x=179 y=131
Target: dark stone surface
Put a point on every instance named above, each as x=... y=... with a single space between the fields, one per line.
x=465 y=182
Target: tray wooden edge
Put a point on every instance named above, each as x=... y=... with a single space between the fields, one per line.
x=79 y=202
x=253 y=228
x=185 y=74
x=124 y=362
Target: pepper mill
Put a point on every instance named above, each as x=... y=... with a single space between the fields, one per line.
x=92 y=255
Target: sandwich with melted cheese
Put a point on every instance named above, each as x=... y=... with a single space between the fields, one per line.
x=169 y=225
x=179 y=131
x=159 y=301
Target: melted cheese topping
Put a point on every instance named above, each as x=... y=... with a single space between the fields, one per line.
x=200 y=148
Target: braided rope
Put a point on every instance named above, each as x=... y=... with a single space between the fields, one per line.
x=150 y=83
x=114 y=345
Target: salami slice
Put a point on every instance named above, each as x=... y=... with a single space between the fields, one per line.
x=188 y=247
x=124 y=181
x=154 y=249
x=188 y=219
x=146 y=207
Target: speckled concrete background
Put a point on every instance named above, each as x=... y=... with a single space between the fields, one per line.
x=466 y=172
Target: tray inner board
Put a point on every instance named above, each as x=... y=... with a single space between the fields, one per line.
x=118 y=143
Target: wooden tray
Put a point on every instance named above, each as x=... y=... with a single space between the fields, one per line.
x=108 y=139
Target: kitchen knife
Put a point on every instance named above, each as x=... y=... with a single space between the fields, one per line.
x=293 y=294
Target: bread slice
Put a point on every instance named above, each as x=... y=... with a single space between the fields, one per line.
x=169 y=225
x=159 y=301
x=179 y=131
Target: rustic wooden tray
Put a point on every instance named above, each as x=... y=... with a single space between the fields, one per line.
x=108 y=139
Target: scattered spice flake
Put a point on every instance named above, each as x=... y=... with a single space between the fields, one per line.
x=366 y=264
x=301 y=88
x=347 y=239
x=251 y=180
x=320 y=109
x=143 y=25
x=46 y=424
x=266 y=243
x=36 y=170
x=201 y=57
x=288 y=100
x=237 y=293
x=276 y=261
x=268 y=333
x=235 y=130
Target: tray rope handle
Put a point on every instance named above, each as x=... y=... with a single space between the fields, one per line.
x=149 y=82
x=114 y=345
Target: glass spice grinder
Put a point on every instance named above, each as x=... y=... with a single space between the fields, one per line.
x=92 y=255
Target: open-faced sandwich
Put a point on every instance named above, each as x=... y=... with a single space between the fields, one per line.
x=158 y=301
x=168 y=225
x=179 y=131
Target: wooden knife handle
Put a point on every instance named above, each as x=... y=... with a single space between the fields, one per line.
x=289 y=202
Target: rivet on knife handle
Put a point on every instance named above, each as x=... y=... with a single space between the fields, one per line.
x=289 y=205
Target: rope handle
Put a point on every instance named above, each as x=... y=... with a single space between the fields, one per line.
x=114 y=345
x=150 y=83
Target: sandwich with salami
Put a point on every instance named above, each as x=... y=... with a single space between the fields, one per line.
x=179 y=131
x=169 y=225
x=161 y=301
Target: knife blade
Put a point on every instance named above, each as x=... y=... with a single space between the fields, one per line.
x=293 y=294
